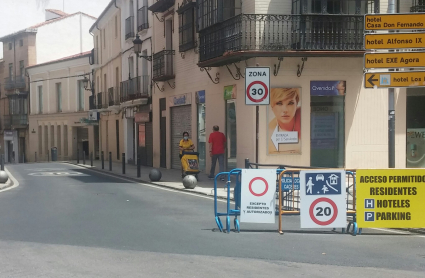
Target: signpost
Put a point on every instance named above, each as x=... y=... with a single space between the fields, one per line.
x=258 y=195
x=413 y=21
x=394 y=41
x=257 y=86
x=323 y=199
x=390 y=198
x=394 y=79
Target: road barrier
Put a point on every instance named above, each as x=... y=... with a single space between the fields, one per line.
x=288 y=187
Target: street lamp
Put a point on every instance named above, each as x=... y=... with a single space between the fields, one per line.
x=86 y=83
x=137 y=42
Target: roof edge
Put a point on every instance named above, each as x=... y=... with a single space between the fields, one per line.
x=101 y=15
x=26 y=30
x=64 y=59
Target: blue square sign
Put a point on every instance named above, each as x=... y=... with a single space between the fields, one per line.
x=326 y=183
x=287 y=183
x=369 y=216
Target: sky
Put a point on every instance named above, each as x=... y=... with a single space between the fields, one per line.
x=16 y=15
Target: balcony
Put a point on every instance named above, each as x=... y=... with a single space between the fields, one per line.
x=101 y=101
x=417 y=9
x=142 y=18
x=113 y=96
x=19 y=82
x=135 y=88
x=94 y=58
x=163 y=65
x=9 y=83
x=15 y=121
x=129 y=27
x=161 y=6
x=266 y=35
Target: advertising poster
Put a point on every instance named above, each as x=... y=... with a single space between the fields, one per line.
x=415 y=148
x=230 y=92
x=284 y=121
x=328 y=88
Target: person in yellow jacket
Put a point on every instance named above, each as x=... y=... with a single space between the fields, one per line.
x=185 y=145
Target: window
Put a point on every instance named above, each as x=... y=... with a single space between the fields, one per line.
x=104 y=38
x=130 y=67
x=335 y=6
x=80 y=95
x=21 y=42
x=116 y=26
x=10 y=46
x=142 y=16
x=59 y=96
x=18 y=105
x=21 y=68
x=186 y=27
x=210 y=12
x=11 y=71
x=40 y=99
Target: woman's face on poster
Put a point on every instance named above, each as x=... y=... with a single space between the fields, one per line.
x=284 y=110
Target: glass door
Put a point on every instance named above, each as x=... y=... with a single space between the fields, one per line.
x=327 y=131
x=201 y=136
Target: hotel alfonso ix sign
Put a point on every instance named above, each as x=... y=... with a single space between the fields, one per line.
x=391 y=49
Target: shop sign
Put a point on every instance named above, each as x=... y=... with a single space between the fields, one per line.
x=142 y=117
x=394 y=60
x=394 y=41
x=93 y=116
x=327 y=88
x=230 y=92
x=184 y=99
x=390 y=198
x=200 y=96
x=8 y=135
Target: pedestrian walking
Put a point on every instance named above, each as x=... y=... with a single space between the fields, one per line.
x=217 y=142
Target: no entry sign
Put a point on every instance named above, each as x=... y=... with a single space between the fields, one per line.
x=258 y=195
x=323 y=199
x=257 y=86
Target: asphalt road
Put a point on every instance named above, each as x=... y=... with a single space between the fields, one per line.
x=87 y=224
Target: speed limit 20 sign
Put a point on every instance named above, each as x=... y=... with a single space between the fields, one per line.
x=323 y=203
x=257 y=86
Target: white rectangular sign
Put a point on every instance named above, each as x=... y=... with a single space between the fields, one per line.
x=257 y=86
x=322 y=195
x=258 y=195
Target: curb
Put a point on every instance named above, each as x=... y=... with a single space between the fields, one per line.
x=88 y=167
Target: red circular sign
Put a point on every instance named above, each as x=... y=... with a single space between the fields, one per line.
x=266 y=91
x=259 y=194
x=317 y=221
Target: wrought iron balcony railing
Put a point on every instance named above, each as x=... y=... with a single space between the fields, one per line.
x=271 y=33
x=114 y=96
x=135 y=88
x=161 y=6
x=417 y=9
x=142 y=17
x=17 y=120
x=9 y=83
x=163 y=65
x=101 y=100
x=129 y=27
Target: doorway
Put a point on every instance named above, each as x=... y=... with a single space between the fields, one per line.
x=231 y=137
x=415 y=125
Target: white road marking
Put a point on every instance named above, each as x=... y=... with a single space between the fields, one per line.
x=15 y=182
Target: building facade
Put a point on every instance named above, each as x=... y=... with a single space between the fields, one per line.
x=314 y=50
x=60 y=35
x=59 y=108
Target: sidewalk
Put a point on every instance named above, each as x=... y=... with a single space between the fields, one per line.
x=171 y=178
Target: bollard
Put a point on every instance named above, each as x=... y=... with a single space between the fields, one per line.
x=35 y=157
x=138 y=167
x=2 y=162
x=110 y=161
x=246 y=163
x=102 y=157
x=84 y=158
x=91 y=159
x=23 y=158
x=48 y=157
x=123 y=163
x=78 y=156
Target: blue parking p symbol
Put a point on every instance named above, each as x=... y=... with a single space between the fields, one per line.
x=369 y=216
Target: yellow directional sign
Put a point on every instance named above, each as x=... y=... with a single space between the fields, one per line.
x=394 y=60
x=395 y=21
x=394 y=79
x=394 y=41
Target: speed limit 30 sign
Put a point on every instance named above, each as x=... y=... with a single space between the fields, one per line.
x=323 y=203
x=257 y=86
